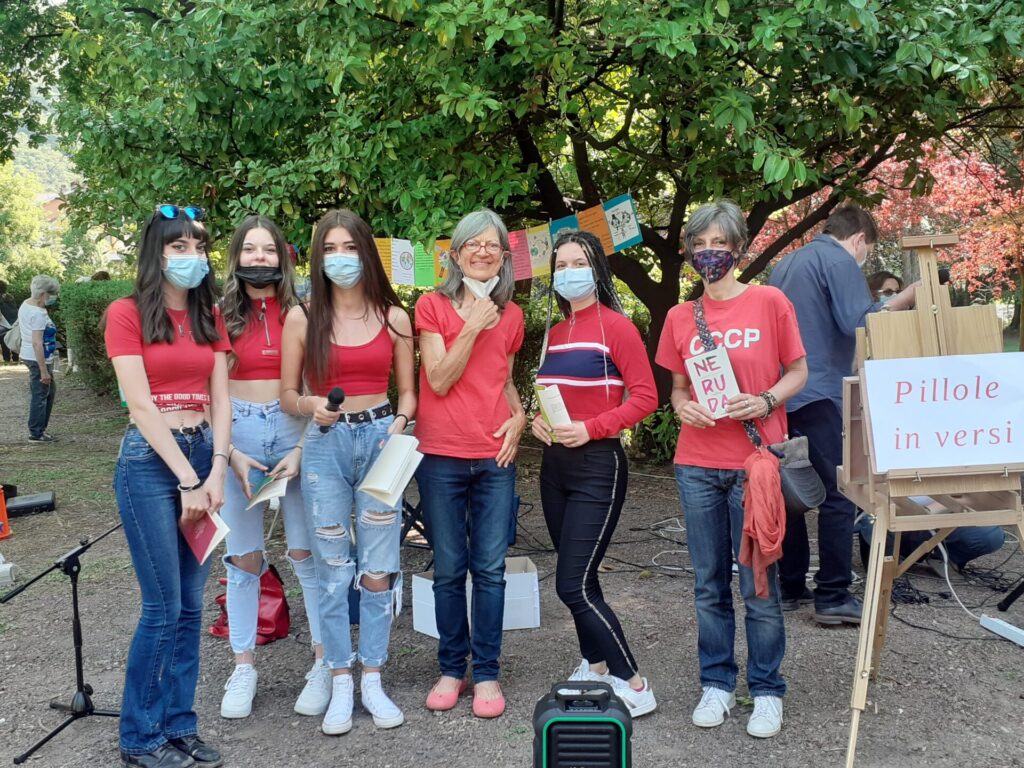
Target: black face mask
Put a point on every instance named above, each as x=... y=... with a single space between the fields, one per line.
x=259 y=277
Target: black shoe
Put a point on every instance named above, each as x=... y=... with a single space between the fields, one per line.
x=847 y=612
x=792 y=603
x=198 y=750
x=164 y=756
x=43 y=438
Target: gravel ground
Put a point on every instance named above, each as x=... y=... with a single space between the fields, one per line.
x=941 y=701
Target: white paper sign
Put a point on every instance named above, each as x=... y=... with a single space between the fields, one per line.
x=403 y=270
x=954 y=411
x=713 y=380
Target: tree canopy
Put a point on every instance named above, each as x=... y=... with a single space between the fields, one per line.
x=413 y=113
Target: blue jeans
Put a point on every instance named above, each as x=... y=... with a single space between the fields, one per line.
x=466 y=507
x=265 y=433
x=962 y=545
x=163 y=660
x=333 y=466
x=41 y=397
x=713 y=508
x=822 y=424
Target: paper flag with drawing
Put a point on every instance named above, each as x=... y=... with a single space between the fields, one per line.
x=713 y=380
x=393 y=469
x=203 y=535
x=269 y=488
x=552 y=407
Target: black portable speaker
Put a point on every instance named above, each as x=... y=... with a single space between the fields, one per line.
x=581 y=724
x=31 y=504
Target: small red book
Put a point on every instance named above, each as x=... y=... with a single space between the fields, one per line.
x=203 y=535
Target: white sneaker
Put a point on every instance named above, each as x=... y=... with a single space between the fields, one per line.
x=713 y=707
x=638 y=702
x=316 y=694
x=583 y=672
x=239 y=691
x=766 y=720
x=386 y=713
x=338 y=719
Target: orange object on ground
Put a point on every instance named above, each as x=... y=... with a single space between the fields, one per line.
x=5 y=526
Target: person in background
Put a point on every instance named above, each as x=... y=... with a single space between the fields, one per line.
x=265 y=439
x=962 y=545
x=757 y=327
x=824 y=282
x=39 y=354
x=169 y=348
x=354 y=338
x=884 y=286
x=469 y=427
x=100 y=275
x=595 y=356
x=8 y=316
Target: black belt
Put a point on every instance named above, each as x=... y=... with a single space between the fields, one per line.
x=371 y=414
x=191 y=430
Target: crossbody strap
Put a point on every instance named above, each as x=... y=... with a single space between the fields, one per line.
x=709 y=344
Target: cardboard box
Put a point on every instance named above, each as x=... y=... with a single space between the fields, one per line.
x=522 y=597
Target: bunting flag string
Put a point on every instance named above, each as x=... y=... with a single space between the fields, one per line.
x=614 y=222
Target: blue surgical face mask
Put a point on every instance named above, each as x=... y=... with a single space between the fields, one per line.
x=51 y=300
x=186 y=271
x=574 y=283
x=343 y=269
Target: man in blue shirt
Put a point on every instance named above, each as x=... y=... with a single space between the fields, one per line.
x=824 y=282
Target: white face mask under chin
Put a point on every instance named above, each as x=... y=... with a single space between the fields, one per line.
x=479 y=289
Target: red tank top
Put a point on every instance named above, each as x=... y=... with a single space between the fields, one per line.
x=258 y=350
x=360 y=370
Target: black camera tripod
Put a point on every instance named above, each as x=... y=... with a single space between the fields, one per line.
x=81 y=703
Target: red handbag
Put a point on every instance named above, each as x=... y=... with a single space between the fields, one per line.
x=273 y=621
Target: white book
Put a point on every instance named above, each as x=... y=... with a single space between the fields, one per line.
x=713 y=380
x=552 y=406
x=269 y=488
x=391 y=472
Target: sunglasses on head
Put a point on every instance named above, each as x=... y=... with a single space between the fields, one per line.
x=169 y=211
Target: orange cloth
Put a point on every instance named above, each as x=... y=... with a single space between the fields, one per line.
x=764 y=517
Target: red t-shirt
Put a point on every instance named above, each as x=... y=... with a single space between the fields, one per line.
x=759 y=330
x=258 y=349
x=179 y=372
x=462 y=423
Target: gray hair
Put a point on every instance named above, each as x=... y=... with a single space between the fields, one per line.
x=470 y=226
x=729 y=218
x=44 y=284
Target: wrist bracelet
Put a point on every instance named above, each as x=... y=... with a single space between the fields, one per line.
x=403 y=416
x=221 y=453
x=231 y=453
x=195 y=487
x=770 y=401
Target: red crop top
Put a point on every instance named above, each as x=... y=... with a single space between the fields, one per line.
x=360 y=370
x=258 y=349
x=179 y=372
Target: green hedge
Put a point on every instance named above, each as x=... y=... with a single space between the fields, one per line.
x=82 y=306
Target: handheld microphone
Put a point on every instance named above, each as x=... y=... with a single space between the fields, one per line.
x=334 y=400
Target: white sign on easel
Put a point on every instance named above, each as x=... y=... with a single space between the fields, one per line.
x=953 y=411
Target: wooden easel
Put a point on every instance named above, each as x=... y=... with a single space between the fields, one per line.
x=977 y=495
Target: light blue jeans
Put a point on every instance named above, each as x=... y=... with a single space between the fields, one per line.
x=333 y=466
x=713 y=509
x=266 y=433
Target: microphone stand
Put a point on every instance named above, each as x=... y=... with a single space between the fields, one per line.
x=81 y=703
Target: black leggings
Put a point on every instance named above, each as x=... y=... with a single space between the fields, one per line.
x=582 y=491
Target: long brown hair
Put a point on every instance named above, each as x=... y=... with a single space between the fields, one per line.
x=375 y=283
x=149 y=290
x=236 y=302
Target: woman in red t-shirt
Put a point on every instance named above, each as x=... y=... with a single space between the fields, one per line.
x=258 y=292
x=355 y=336
x=469 y=427
x=169 y=348
x=757 y=327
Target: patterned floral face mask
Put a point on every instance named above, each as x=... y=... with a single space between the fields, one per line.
x=713 y=265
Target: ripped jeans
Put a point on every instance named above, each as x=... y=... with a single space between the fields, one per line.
x=333 y=466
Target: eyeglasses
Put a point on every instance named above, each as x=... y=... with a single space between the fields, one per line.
x=492 y=249
x=169 y=211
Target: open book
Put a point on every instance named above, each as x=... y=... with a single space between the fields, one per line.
x=203 y=535
x=552 y=407
x=268 y=488
x=713 y=380
x=393 y=469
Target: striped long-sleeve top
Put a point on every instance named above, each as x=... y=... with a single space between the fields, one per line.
x=596 y=357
